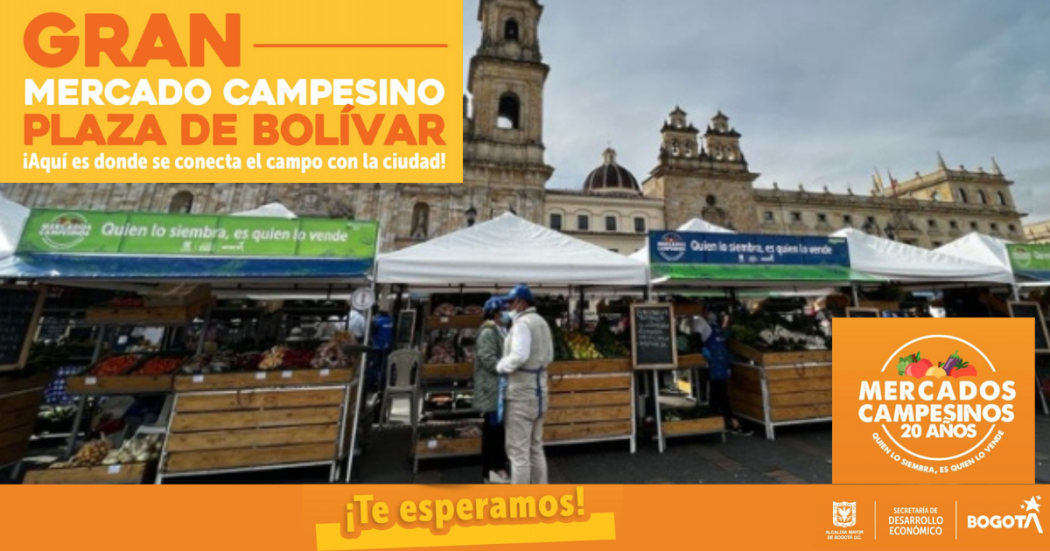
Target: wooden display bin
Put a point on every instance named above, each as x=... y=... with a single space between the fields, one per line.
x=20 y=401
x=780 y=358
x=120 y=385
x=131 y=473
x=263 y=379
x=249 y=428
x=691 y=361
x=880 y=305
x=432 y=448
x=590 y=401
x=689 y=427
x=454 y=322
x=782 y=395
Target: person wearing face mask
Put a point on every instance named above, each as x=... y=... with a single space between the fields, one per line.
x=488 y=396
x=527 y=352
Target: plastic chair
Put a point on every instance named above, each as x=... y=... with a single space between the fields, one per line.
x=402 y=369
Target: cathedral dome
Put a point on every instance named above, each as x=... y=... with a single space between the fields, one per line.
x=611 y=177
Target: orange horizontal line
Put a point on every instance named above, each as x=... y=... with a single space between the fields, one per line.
x=351 y=45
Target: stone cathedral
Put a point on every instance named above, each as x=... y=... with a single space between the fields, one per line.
x=700 y=172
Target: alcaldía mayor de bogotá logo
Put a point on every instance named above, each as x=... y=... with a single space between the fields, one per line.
x=844 y=513
x=671 y=247
x=65 y=231
x=937 y=405
x=1027 y=519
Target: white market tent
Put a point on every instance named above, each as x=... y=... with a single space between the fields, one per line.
x=895 y=261
x=12 y=219
x=505 y=251
x=695 y=225
x=980 y=248
x=269 y=210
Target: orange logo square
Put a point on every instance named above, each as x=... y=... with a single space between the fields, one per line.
x=933 y=401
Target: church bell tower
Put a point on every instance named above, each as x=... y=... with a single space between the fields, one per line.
x=503 y=146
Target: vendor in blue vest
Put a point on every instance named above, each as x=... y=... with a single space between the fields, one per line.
x=716 y=352
x=527 y=352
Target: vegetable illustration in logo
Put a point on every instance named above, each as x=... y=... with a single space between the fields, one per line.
x=917 y=366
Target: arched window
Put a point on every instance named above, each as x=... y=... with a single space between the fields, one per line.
x=1001 y=198
x=509 y=112
x=420 y=221
x=962 y=196
x=181 y=203
x=982 y=197
x=511 y=31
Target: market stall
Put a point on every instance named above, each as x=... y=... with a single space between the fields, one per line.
x=591 y=395
x=286 y=400
x=783 y=372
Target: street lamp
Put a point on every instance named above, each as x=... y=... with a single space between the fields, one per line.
x=472 y=215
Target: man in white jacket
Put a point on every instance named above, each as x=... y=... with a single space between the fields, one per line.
x=527 y=352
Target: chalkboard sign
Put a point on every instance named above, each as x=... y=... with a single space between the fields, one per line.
x=18 y=319
x=862 y=312
x=406 y=328
x=653 y=336
x=1033 y=310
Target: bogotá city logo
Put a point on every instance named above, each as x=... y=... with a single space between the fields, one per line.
x=1027 y=519
x=937 y=405
x=65 y=231
x=844 y=513
x=671 y=247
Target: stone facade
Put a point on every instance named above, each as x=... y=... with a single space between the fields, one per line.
x=697 y=175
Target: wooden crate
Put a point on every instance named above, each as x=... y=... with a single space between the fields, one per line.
x=447 y=371
x=794 y=394
x=690 y=361
x=707 y=425
x=780 y=358
x=131 y=473
x=11 y=385
x=18 y=411
x=218 y=430
x=263 y=379
x=589 y=400
x=120 y=384
x=144 y=315
x=587 y=431
x=583 y=367
x=429 y=448
x=454 y=322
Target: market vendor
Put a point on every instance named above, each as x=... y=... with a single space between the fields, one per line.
x=487 y=394
x=527 y=352
x=716 y=352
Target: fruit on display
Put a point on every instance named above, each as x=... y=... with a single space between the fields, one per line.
x=115 y=365
x=582 y=347
x=342 y=337
x=297 y=358
x=473 y=310
x=136 y=450
x=89 y=455
x=445 y=309
x=772 y=332
x=562 y=352
x=160 y=366
x=330 y=355
x=442 y=353
x=273 y=358
x=606 y=342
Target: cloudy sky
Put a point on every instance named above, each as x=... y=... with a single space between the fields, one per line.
x=823 y=91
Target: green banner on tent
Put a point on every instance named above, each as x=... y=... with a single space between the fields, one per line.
x=1029 y=258
x=159 y=234
x=722 y=272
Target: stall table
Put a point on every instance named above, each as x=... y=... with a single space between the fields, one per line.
x=781 y=388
